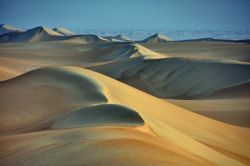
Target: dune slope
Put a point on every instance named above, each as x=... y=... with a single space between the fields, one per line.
x=178 y=77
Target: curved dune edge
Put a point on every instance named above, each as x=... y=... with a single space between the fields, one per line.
x=175 y=125
x=100 y=114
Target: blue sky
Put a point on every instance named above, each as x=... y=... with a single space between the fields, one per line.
x=127 y=14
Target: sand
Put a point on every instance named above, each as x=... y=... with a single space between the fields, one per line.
x=169 y=122
x=56 y=109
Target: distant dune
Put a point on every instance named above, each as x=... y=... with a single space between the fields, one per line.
x=118 y=38
x=157 y=38
x=4 y=28
x=63 y=31
x=41 y=34
x=33 y=35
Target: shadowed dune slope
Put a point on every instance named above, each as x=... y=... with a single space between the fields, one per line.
x=101 y=114
x=195 y=139
x=178 y=77
x=26 y=101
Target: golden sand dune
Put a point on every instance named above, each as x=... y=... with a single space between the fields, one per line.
x=52 y=97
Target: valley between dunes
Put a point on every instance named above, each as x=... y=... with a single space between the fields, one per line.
x=70 y=99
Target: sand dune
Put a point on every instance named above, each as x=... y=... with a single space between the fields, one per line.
x=118 y=38
x=202 y=50
x=74 y=87
x=217 y=40
x=156 y=38
x=39 y=90
x=178 y=77
x=63 y=31
x=235 y=111
x=54 y=112
x=117 y=51
x=101 y=114
x=40 y=34
x=93 y=146
x=32 y=35
x=4 y=28
x=161 y=74
x=241 y=91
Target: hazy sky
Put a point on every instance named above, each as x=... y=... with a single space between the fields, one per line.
x=127 y=14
